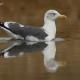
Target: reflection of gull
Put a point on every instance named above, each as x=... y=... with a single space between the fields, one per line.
x=49 y=57
x=18 y=48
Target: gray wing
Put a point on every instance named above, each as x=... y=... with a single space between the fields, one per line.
x=27 y=30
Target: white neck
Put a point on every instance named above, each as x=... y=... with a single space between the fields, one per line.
x=50 y=29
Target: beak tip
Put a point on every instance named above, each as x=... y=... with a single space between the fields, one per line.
x=63 y=16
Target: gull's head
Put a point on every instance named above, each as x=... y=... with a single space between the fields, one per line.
x=52 y=15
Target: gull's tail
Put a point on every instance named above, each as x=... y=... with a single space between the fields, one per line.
x=12 y=29
x=1 y=24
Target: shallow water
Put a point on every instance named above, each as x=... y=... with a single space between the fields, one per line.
x=58 y=60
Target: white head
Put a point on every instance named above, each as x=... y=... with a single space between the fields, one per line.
x=52 y=15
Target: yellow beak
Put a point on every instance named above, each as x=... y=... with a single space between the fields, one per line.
x=62 y=16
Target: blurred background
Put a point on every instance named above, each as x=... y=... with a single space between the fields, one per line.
x=31 y=12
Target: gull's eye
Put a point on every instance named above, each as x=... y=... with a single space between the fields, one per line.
x=52 y=14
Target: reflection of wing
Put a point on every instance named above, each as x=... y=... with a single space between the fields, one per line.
x=16 y=50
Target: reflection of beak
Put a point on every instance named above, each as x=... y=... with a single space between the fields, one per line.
x=62 y=63
x=63 y=16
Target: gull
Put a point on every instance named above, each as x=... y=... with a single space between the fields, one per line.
x=47 y=32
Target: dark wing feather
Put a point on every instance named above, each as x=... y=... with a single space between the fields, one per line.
x=27 y=31
x=24 y=31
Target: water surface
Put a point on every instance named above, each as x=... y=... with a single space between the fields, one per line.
x=54 y=60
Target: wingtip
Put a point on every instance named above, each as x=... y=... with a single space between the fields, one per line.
x=1 y=24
